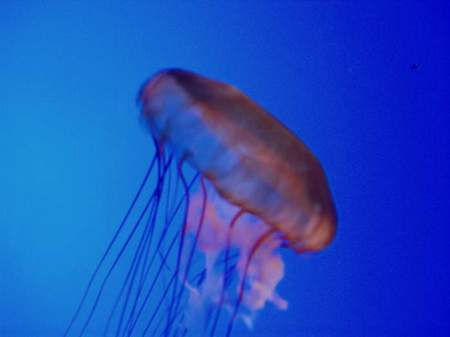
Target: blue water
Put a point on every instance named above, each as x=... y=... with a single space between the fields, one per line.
x=366 y=86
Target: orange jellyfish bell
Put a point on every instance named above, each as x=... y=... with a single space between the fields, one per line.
x=251 y=159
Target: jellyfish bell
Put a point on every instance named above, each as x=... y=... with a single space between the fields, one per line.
x=211 y=245
x=252 y=160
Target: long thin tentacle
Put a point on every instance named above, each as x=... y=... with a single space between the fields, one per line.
x=253 y=250
x=109 y=247
x=226 y=271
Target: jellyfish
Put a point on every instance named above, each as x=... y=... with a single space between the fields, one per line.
x=198 y=248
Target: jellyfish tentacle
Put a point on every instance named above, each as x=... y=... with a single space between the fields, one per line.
x=141 y=255
x=119 y=255
x=197 y=235
x=132 y=287
x=175 y=300
x=233 y=221
x=143 y=246
x=163 y=264
x=109 y=247
x=199 y=229
x=150 y=291
x=252 y=252
x=110 y=270
x=163 y=296
x=184 y=275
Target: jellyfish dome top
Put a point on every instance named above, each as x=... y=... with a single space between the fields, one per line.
x=255 y=186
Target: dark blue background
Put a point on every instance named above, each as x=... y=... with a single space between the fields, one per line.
x=340 y=75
